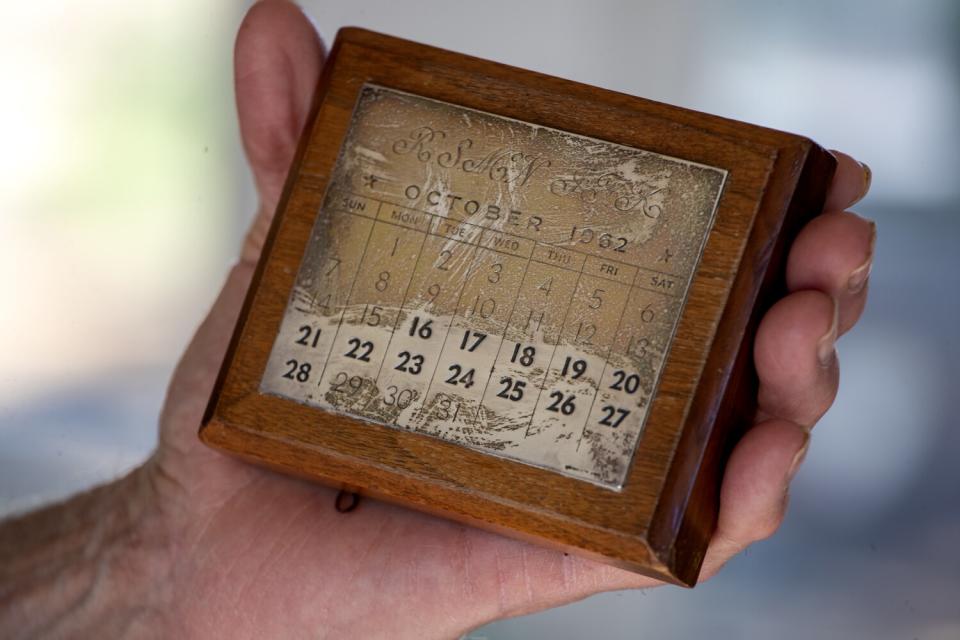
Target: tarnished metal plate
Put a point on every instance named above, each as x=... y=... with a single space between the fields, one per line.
x=505 y=286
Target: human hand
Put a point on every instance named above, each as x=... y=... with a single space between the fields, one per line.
x=250 y=553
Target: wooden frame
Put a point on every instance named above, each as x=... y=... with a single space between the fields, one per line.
x=661 y=521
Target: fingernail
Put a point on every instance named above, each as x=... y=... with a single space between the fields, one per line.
x=826 y=346
x=858 y=277
x=798 y=457
x=867 y=179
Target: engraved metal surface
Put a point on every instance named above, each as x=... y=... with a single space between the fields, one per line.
x=505 y=286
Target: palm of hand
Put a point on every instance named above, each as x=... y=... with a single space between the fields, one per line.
x=271 y=553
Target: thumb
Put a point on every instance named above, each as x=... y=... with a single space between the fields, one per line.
x=277 y=60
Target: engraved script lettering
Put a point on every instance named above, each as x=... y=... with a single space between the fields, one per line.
x=625 y=195
x=504 y=165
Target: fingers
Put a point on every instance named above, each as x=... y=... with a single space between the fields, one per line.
x=753 y=498
x=795 y=357
x=851 y=181
x=277 y=60
x=834 y=254
x=827 y=271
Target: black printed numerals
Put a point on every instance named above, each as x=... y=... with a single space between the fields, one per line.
x=471 y=340
x=562 y=403
x=623 y=381
x=573 y=367
x=523 y=355
x=460 y=376
x=511 y=389
x=421 y=328
x=359 y=349
x=613 y=416
x=299 y=371
x=309 y=336
x=411 y=363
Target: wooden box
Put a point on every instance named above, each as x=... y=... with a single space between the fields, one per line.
x=516 y=301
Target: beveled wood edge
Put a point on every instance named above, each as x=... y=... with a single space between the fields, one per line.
x=690 y=118
x=610 y=547
x=774 y=229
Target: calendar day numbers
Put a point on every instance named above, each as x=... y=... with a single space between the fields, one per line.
x=493 y=283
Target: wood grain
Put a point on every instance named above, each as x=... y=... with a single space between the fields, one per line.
x=662 y=520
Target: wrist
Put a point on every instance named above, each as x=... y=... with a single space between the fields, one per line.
x=134 y=555
x=94 y=565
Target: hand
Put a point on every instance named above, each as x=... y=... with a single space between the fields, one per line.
x=255 y=554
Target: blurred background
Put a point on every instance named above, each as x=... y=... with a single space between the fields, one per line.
x=123 y=197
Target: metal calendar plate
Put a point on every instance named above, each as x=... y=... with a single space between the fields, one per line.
x=497 y=284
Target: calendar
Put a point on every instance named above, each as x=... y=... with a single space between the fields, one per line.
x=496 y=284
